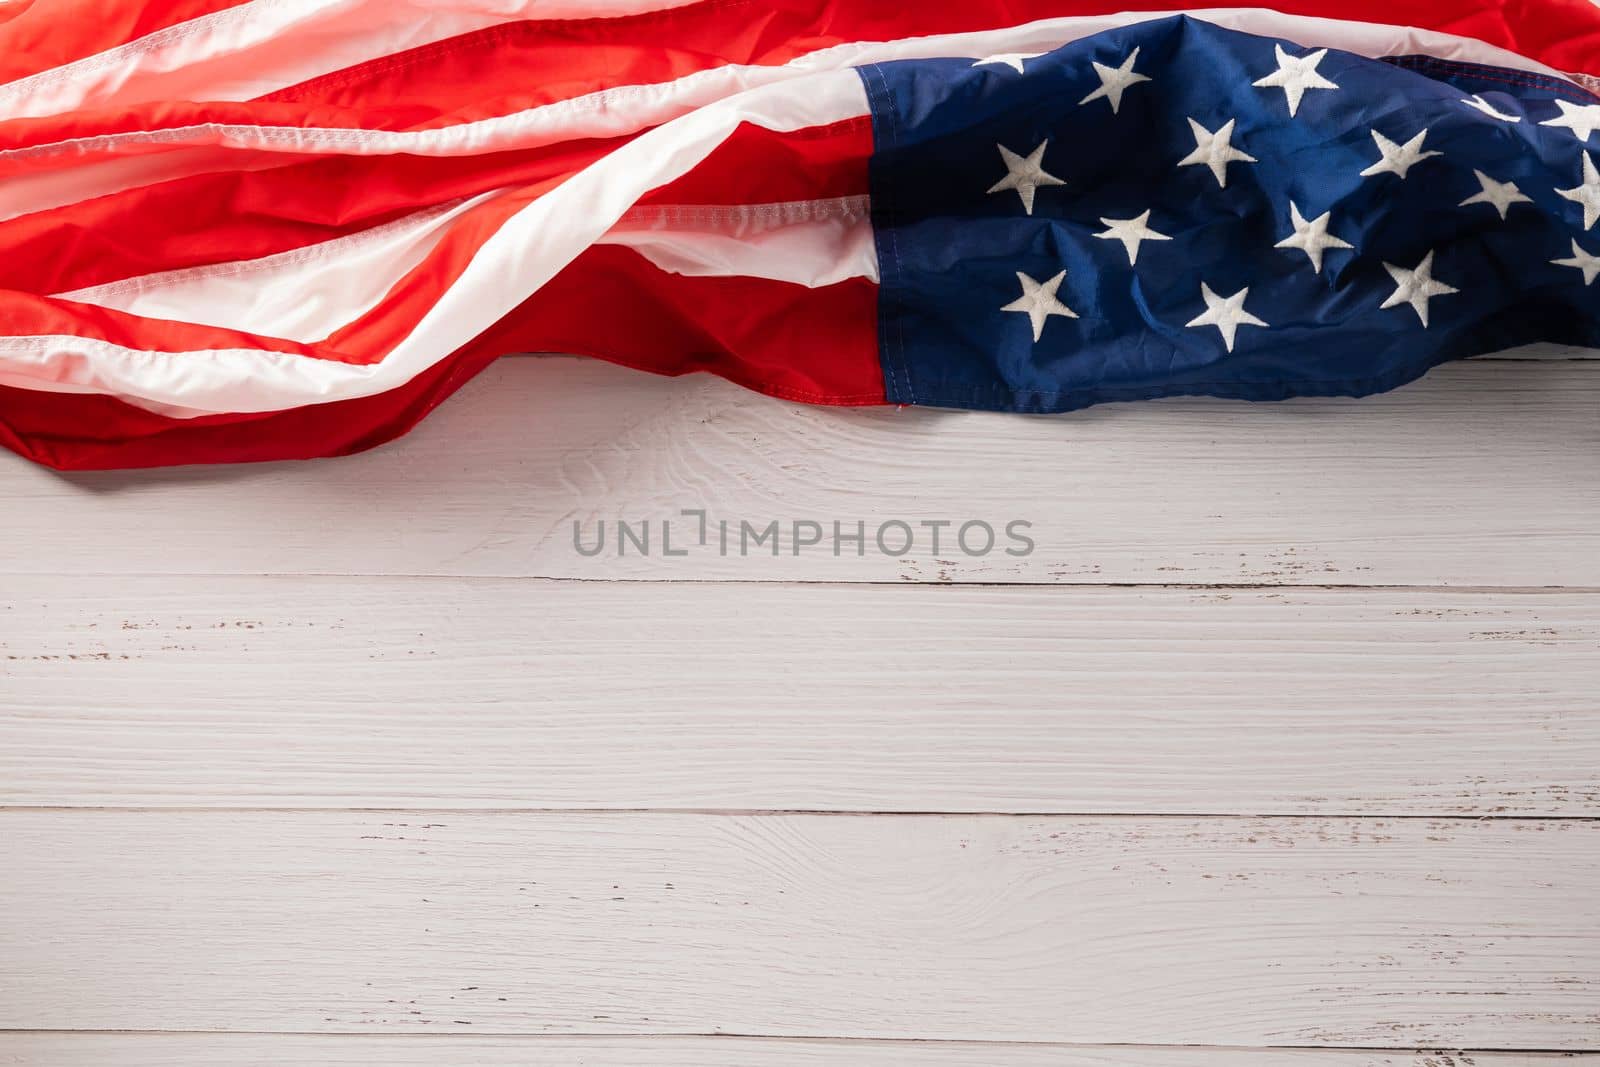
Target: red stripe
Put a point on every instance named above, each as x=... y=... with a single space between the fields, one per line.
x=218 y=218
x=813 y=345
x=758 y=166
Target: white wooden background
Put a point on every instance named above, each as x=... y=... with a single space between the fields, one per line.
x=1282 y=750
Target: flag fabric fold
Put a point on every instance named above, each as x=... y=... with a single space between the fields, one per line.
x=266 y=229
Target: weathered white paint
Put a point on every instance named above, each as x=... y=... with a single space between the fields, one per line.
x=364 y=1050
x=474 y=693
x=219 y=678
x=1353 y=932
x=1483 y=473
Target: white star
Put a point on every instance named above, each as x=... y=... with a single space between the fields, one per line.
x=1416 y=287
x=1312 y=237
x=1296 y=74
x=1130 y=232
x=1114 y=81
x=1038 y=302
x=1581 y=119
x=1398 y=158
x=1008 y=59
x=1587 y=194
x=1215 y=150
x=1480 y=104
x=1025 y=174
x=1501 y=194
x=1225 y=313
x=1589 y=264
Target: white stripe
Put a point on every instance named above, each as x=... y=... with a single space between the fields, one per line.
x=41 y=190
x=548 y=234
x=263 y=46
x=808 y=242
x=303 y=295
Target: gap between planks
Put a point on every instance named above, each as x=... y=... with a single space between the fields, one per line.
x=776 y=813
x=147 y=1048
x=832 y=583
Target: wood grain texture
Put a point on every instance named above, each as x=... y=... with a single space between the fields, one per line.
x=588 y=932
x=451 y=693
x=304 y=1050
x=1376 y=933
x=1483 y=473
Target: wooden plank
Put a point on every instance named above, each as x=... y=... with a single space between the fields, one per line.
x=1546 y=352
x=1365 y=933
x=306 y=1050
x=451 y=693
x=1481 y=474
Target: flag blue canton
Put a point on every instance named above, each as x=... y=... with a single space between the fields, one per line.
x=1177 y=208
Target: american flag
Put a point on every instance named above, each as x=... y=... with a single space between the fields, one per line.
x=258 y=229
